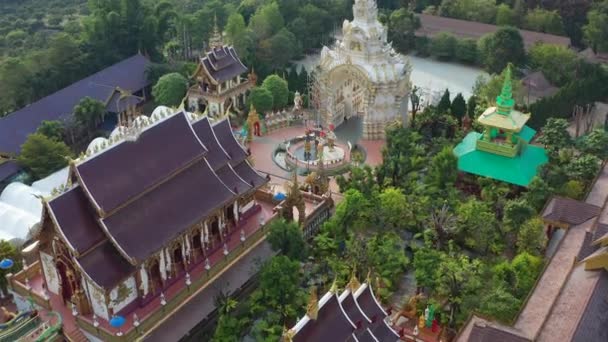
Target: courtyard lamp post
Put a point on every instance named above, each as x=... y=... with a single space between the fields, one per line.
x=188 y=280
x=243 y=235
x=118 y=322
x=136 y=322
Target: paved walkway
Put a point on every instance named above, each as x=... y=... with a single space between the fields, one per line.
x=202 y=305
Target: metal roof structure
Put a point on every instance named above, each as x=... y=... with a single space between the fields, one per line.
x=128 y=75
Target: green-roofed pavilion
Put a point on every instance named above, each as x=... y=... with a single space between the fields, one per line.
x=502 y=151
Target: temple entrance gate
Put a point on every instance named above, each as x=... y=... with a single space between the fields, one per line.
x=349 y=91
x=68 y=281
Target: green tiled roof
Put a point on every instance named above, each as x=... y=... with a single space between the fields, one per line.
x=526 y=134
x=519 y=170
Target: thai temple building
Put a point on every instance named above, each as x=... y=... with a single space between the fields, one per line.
x=353 y=315
x=219 y=86
x=568 y=302
x=502 y=151
x=362 y=75
x=139 y=214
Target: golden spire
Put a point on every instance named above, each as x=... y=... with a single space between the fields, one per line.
x=216 y=37
x=312 y=310
x=354 y=283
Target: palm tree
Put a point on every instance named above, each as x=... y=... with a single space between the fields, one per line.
x=89 y=113
x=443 y=224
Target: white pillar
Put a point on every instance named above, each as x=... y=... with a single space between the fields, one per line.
x=236 y=210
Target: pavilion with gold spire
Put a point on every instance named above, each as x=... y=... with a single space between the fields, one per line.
x=502 y=151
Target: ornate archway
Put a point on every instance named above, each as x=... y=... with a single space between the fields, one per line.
x=348 y=92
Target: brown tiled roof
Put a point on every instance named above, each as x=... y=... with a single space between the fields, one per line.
x=105 y=266
x=432 y=25
x=76 y=219
x=593 y=325
x=538 y=86
x=216 y=156
x=569 y=211
x=131 y=167
x=224 y=135
x=223 y=64
x=331 y=325
x=145 y=225
x=482 y=332
x=353 y=312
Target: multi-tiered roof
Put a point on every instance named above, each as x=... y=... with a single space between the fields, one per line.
x=502 y=151
x=144 y=189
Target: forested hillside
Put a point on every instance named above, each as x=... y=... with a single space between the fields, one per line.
x=46 y=45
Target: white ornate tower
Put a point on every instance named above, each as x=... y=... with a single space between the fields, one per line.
x=362 y=75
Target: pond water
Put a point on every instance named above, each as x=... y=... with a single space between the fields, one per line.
x=431 y=75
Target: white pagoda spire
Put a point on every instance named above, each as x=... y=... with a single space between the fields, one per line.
x=365 y=11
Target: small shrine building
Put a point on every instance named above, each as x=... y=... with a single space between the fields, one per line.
x=353 y=315
x=219 y=86
x=502 y=151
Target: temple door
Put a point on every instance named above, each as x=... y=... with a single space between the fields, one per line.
x=230 y=217
x=215 y=237
x=156 y=281
x=256 y=129
x=197 y=246
x=67 y=291
x=178 y=261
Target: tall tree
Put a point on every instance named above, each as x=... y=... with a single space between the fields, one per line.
x=402 y=25
x=555 y=135
x=279 y=90
x=42 y=156
x=442 y=170
x=531 y=238
x=261 y=99
x=8 y=251
x=459 y=107
x=286 y=237
x=500 y=48
x=596 y=30
x=52 y=129
x=170 y=89
x=89 y=113
x=457 y=278
x=445 y=103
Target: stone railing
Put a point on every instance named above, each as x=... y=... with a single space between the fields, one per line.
x=17 y=283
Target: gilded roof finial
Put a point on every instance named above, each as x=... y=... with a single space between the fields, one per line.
x=216 y=37
x=334 y=285
x=368 y=279
x=288 y=334
x=354 y=283
x=312 y=310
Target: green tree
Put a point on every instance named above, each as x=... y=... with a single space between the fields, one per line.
x=52 y=129
x=266 y=21
x=443 y=226
x=500 y=304
x=280 y=288
x=574 y=189
x=531 y=237
x=596 y=143
x=426 y=262
x=543 y=20
x=170 y=89
x=526 y=268
x=89 y=113
x=8 y=251
x=476 y=225
x=445 y=103
x=42 y=156
x=442 y=169
x=393 y=208
x=402 y=25
x=472 y=106
x=261 y=99
x=505 y=16
x=287 y=238
x=500 y=48
x=538 y=193
x=558 y=63
x=279 y=90
x=555 y=135
x=239 y=36
x=596 y=30
x=466 y=51
x=516 y=212
x=584 y=167
x=443 y=45
x=459 y=107
x=458 y=277
x=353 y=214
x=227 y=329
x=386 y=257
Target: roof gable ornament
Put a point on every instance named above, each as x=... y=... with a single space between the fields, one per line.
x=312 y=309
x=354 y=283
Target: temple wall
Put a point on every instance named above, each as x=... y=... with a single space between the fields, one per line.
x=50 y=272
x=98 y=301
x=123 y=295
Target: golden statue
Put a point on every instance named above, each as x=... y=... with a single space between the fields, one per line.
x=312 y=310
x=421 y=322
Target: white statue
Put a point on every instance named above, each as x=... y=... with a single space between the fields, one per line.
x=298 y=102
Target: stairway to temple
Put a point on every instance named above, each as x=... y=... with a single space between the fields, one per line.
x=76 y=335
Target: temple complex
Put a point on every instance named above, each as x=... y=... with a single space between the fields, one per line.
x=353 y=315
x=218 y=83
x=112 y=243
x=502 y=151
x=362 y=75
